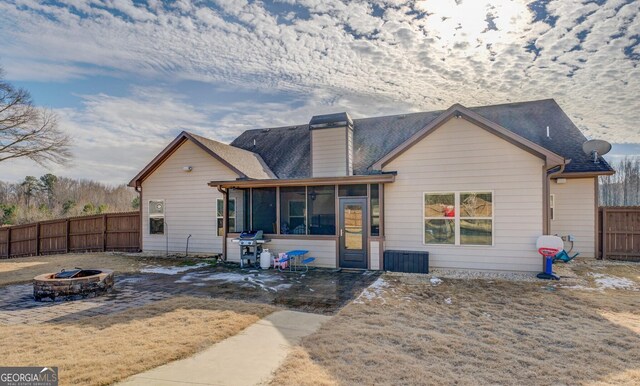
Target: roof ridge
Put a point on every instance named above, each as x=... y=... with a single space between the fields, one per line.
x=200 y=137
x=397 y=115
x=277 y=128
x=515 y=103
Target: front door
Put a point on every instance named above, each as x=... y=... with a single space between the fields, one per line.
x=353 y=233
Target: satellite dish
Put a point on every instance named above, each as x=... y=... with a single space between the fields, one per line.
x=595 y=148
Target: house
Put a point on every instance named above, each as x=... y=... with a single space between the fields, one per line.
x=474 y=187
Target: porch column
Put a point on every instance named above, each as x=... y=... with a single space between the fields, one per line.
x=225 y=220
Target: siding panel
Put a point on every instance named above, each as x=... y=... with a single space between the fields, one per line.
x=329 y=153
x=374 y=255
x=323 y=250
x=462 y=157
x=575 y=208
x=190 y=204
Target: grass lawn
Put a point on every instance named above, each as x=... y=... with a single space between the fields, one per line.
x=24 y=269
x=408 y=330
x=101 y=350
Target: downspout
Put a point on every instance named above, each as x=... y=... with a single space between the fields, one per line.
x=138 y=189
x=547 y=192
x=225 y=219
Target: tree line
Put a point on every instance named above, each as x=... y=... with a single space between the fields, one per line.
x=622 y=188
x=49 y=197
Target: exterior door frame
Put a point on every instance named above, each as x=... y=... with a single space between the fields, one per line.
x=358 y=259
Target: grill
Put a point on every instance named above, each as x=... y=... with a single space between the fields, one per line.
x=250 y=243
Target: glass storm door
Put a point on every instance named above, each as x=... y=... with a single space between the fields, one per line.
x=353 y=233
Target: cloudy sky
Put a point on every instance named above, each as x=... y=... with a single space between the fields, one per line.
x=126 y=76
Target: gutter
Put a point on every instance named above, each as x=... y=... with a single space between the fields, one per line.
x=547 y=191
x=138 y=189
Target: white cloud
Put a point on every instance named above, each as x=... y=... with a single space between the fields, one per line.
x=115 y=137
x=344 y=49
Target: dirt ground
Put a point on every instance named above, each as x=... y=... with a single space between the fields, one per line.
x=407 y=330
x=101 y=350
x=24 y=269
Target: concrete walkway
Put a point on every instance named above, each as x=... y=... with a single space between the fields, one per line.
x=248 y=358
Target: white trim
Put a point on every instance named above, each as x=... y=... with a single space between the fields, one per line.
x=424 y=216
x=492 y=218
x=234 y=217
x=157 y=215
x=456 y=219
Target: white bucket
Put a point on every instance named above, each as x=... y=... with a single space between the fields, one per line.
x=265 y=259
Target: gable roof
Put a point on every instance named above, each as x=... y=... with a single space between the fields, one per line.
x=458 y=111
x=242 y=162
x=287 y=149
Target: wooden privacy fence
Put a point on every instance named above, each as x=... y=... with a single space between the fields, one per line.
x=619 y=232
x=104 y=232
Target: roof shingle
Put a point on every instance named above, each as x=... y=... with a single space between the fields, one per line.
x=286 y=150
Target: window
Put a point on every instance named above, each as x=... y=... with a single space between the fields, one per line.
x=231 y=221
x=464 y=218
x=476 y=218
x=263 y=209
x=439 y=221
x=156 y=217
x=352 y=190
x=241 y=209
x=293 y=210
x=375 y=210
x=552 y=207
x=321 y=210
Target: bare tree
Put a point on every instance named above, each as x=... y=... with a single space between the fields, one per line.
x=622 y=188
x=51 y=197
x=27 y=131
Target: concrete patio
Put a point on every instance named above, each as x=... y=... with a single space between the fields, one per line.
x=319 y=291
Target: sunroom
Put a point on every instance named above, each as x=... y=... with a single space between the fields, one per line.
x=339 y=220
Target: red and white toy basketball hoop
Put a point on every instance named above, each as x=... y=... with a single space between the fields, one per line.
x=548 y=247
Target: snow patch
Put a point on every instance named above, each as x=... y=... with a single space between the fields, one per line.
x=448 y=301
x=613 y=282
x=579 y=287
x=256 y=280
x=435 y=281
x=172 y=270
x=604 y=282
x=374 y=291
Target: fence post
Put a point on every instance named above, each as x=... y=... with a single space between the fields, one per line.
x=68 y=236
x=604 y=233
x=9 y=243
x=38 y=238
x=104 y=232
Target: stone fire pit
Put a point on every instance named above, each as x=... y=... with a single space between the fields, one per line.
x=72 y=284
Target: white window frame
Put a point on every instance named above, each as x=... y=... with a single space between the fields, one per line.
x=234 y=217
x=457 y=218
x=552 y=206
x=156 y=215
x=492 y=218
x=424 y=217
